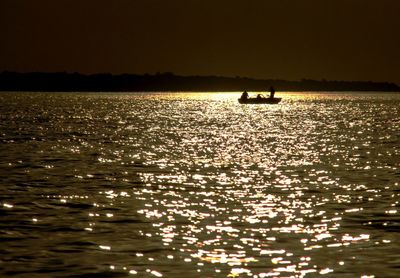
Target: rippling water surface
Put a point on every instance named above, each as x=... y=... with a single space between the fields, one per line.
x=197 y=185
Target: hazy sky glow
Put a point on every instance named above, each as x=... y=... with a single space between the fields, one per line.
x=332 y=39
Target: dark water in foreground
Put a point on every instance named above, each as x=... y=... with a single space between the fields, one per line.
x=196 y=185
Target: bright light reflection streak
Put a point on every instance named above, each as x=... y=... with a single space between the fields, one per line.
x=237 y=222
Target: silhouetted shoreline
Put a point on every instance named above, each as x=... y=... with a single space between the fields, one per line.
x=70 y=82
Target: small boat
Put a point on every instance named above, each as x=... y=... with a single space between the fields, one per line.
x=263 y=100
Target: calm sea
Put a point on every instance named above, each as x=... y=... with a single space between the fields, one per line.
x=197 y=185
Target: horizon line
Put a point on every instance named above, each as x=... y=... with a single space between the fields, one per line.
x=168 y=73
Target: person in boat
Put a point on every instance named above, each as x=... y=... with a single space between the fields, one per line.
x=272 y=90
x=245 y=95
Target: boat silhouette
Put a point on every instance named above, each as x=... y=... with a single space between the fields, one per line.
x=260 y=100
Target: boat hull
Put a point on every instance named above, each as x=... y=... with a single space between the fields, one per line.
x=275 y=100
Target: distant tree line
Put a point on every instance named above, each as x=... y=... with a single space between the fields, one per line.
x=105 y=82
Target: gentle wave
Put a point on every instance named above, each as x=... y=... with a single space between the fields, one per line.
x=197 y=185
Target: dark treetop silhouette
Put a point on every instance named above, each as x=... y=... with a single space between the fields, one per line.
x=11 y=81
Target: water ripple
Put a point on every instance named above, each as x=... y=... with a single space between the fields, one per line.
x=196 y=185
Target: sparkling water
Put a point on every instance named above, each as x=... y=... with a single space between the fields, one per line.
x=198 y=185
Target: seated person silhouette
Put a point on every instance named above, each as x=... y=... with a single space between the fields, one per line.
x=245 y=95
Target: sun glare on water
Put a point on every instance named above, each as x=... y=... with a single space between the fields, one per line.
x=198 y=185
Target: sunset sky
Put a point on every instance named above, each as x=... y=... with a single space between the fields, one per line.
x=286 y=39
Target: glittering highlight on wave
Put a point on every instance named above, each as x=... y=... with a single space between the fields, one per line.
x=197 y=185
